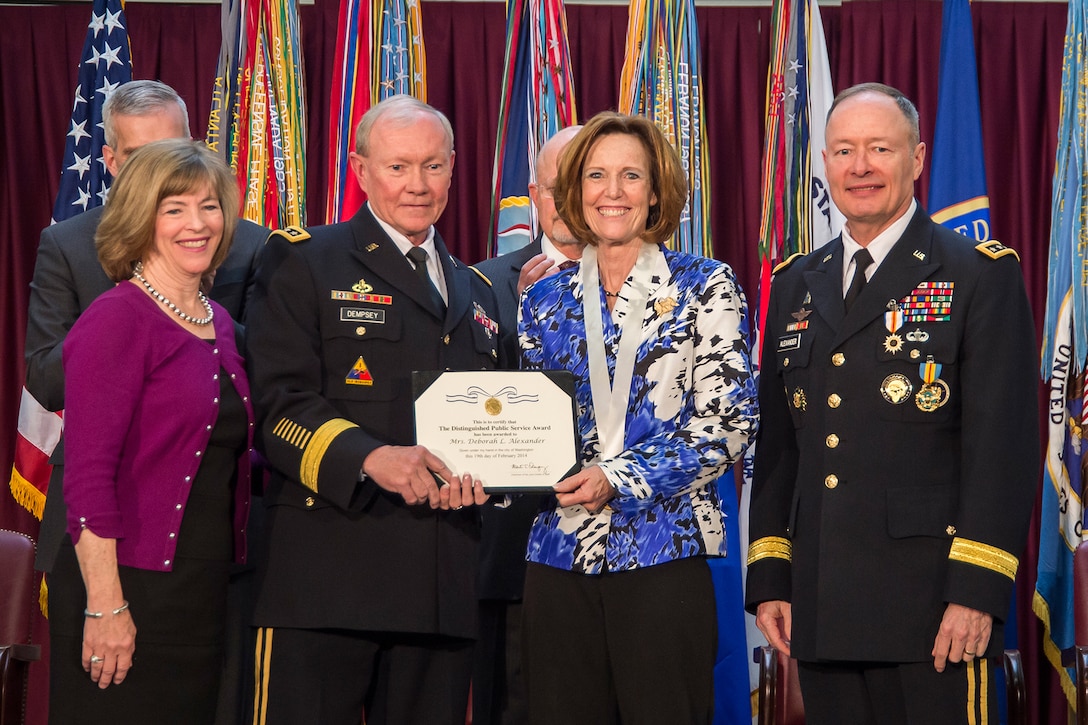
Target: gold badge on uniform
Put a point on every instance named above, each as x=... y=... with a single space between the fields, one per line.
x=896 y=388
x=934 y=391
x=799 y=400
x=664 y=306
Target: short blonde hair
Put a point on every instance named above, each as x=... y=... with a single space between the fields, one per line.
x=152 y=173
x=667 y=179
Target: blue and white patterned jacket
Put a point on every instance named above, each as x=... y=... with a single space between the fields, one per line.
x=691 y=413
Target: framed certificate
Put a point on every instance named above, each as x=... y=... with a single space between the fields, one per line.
x=512 y=429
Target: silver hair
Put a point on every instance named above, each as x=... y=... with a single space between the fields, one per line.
x=140 y=98
x=905 y=106
x=399 y=108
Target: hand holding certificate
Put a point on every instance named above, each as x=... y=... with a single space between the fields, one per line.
x=513 y=430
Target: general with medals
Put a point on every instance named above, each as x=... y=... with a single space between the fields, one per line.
x=889 y=512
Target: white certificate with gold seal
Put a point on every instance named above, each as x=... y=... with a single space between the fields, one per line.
x=512 y=429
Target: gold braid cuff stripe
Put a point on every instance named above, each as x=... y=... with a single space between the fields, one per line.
x=293 y=433
x=770 y=547
x=319 y=445
x=985 y=556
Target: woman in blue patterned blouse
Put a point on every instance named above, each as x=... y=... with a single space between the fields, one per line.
x=619 y=614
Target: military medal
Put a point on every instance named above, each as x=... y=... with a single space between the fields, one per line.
x=896 y=388
x=893 y=320
x=799 y=400
x=934 y=391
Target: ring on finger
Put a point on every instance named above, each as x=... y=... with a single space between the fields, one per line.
x=95 y=659
x=969 y=653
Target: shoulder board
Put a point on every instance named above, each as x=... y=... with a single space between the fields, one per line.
x=293 y=234
x=788 y=261
x=481 y=275
x=995 y=250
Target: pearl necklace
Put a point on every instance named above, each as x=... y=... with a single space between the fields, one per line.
x=174 y=308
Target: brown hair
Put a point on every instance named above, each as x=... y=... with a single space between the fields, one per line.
x=667 y=179
x=153 y=172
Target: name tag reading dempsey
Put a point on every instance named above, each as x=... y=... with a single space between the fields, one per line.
x=512 y=429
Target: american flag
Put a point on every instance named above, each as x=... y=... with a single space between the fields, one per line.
x=105 y=64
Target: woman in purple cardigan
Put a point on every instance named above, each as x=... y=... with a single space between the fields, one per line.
x=158 y=429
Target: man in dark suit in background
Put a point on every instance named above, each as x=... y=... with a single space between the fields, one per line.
x=368 y=593
x=68 y=277
x=497 y=690
x=898 y=452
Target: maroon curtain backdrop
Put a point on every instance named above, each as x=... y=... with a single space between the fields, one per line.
x=1019 y=48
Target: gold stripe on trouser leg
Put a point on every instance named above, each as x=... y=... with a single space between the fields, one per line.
x=261 y=670
x=978 y=688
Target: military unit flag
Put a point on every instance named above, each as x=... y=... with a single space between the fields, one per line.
x=348 y=101
x=379 y=53
x=537 y=101
x=105 y=63
x=662 y=80
x=957 y=177
x=1065 y=348
x=259 y=88
x=798 y=214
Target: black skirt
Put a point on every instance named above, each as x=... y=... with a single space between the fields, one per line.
x=179 y=614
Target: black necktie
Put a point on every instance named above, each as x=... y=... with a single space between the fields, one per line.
x=862 y=260
x=418 y=255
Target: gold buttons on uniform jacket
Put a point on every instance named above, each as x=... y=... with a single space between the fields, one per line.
x=832 y=441
x=834 y=401
x=838 y=359
x=360 y=330
x=310 y=502
x=446 y=339
x=831 y=481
